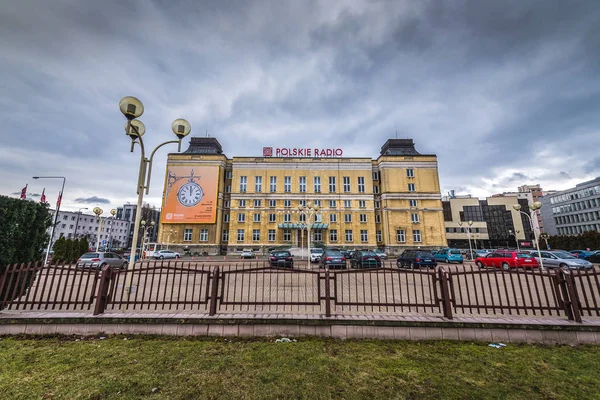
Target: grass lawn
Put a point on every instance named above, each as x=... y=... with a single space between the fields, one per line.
x=180 y=368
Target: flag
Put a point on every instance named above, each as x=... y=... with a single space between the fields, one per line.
x=24 y=193
x=58 y=201
x=43 y=197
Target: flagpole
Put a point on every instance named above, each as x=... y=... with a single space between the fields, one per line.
x=57 y=210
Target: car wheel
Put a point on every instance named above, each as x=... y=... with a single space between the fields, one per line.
x=124 y=266
x=412 y=265
x=102 y=266
x=563 y=266
x=398 y=264
x=177 y=257
x=505 y=266
x=479 y=264
x=161 y=257
x=446 y=261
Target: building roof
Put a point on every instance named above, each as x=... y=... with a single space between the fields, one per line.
x=204 y=145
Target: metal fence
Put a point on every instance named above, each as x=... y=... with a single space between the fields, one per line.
x=162 y=286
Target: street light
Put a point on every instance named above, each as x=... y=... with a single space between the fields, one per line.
x=133 y=108
x=169 y=233
x=532 y=208
x=57 y=210
x=77 y=223
x=113 y=212
x=145 y=229
x=510 y=232
x=545 y=236
x=460 y=223
x=308 y=211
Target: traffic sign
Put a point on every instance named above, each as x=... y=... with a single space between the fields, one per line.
x=103 y=242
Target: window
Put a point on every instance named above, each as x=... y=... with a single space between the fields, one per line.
x=287 y=217
x=187 y=235
x=65 y=217
x=318 y=203
x=346 y=184
x=347 y=217
x=287 y=203
x=228 y=175
x=226 y=218
x=228 y=189
x=204 y=235
x=400 y=236
x=225 y=236
x=273 y=184
x=411 y=187
x=349 y=235
x=272 y=217
x=287 y=235
x=241 y=217
x=256 y=217
x=302 y=218
x=302 y=184
x=257 y=203
x=375 y=189
x=362 y=204
x=375 y=177
x=364 y=237
x=317 y=182
x=318 y=235
x=447 y=230
x=377 y=204
x=332 y=217
x=363 y=218
x=410 y=173
x=414 y=218
x=73 y=218
x=302 y=203
x=318 y=218
x=287 y=184
x=70 y=226
x=347 y=203
x=271 y=235
x=377 y=218
x=332 y=204
x=240 y=235
x=412 y=203
x=333 y=235
x=378 y=236
x=227 y=203
x=332 y=184
x=242 y=203
x=258 y=183
x=272 y=203
x=65 y=225
x=243 y=182
x=361 y=184
x=416 y=235
x=256 y=235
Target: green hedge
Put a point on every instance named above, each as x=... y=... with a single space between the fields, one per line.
x=587 y=240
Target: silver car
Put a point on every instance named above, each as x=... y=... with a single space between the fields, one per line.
x=562 y=259
x=161 y=254
x=101 y=259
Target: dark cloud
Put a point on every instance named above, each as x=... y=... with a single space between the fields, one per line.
x=92 y=200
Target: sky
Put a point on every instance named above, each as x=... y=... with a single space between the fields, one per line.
x=506 y=93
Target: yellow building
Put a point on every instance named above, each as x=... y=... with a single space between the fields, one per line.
x=213 y=204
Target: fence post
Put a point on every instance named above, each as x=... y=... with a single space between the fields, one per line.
x=562 y=283
x=214 y=291
x=573 y=296
x=327 y=293
x=446 y=305
x=102 y=295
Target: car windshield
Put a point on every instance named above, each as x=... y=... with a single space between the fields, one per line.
x=91 y=255
x=564 y=255
x=368 y=254
x=316 y=250
x=524 y=255
x=424 y=254
x=281 y=254
x=334 y=254
x=454 y=251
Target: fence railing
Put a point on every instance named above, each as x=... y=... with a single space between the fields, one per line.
x=176 y=286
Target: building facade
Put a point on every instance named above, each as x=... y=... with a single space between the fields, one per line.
x=536 y=194
x=495 y=221
x=572 y=211
x=215 y=204
x=73 y=225
x=127 y=213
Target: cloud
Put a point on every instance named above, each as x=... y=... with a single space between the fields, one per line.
x=505 y=94
x=92 y=200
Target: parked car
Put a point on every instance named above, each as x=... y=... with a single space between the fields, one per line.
x=563 y=259
x=416 y=259
x=580 y=253
x=365 y=259
x=380 y=253
x=162 y=254
x=247 y=253
x=100 y=260
x=281 y=258
x=481 y=252
x=346 y=253
x=448 y=255
x=594 y=257
x=315 y=254
x=507 y=259
x=332 y=259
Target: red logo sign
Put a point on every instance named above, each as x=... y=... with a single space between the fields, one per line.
x=267 y=152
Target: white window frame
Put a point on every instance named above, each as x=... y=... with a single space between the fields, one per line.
x=287 y=217
x=333 y=236
x=287 y=184
x=256 y=235
x=317 y=184
x=187 y=235
x=377 y=218
x=412 y=187
x=347 y=203
x=257 y=203
x=272 y=217
x=258 y=184
x=256 y=217
x=363 y=218
x=333 y=218
x=287 y=235
x=377 y=204
x=348 y=218
x=241 y=203
x=302 y=184
x=243 y=183
x=225 y=235
x=240 y=235
x=287 y=203
x=417 y=236
x=361 y=184
x=272 y=235
x=362 y=204
x=204 y=235
x=413 y=203
x=227 y=203
x=273 y=184
x=226 y=218
x=332 y=204
x=346 y=184
x=414 y=217
x=348 y=235
x=228 y=174
x=410 y=173
x=400 y=235
x=375 y=176
x=241 y=217
x=378 y=236
x=272 y=203
x=364 y=235
x=332 y=184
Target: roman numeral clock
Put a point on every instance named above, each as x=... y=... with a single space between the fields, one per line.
x=190 y=193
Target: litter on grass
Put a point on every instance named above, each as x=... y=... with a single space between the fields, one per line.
x=285 y=340
x=497 y=345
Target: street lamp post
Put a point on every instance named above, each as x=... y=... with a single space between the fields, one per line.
x=113 y=212
x=545 y=236
x=532 y=209
x=169 y=233
x=308 y=211
x=57 y=210
x=145 y=229
x=77 y=223
x=98 y=211
x=133 y=108
x=460 y=223
x=510 y=232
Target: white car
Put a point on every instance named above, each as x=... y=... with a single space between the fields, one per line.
x=246 y=253
x=164 y=254
x=315 y=255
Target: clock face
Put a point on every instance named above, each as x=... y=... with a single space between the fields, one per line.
x=190 y=194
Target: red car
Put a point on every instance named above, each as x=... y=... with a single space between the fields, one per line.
x=507 y=259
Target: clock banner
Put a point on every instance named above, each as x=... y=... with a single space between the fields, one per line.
x=191 y=194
